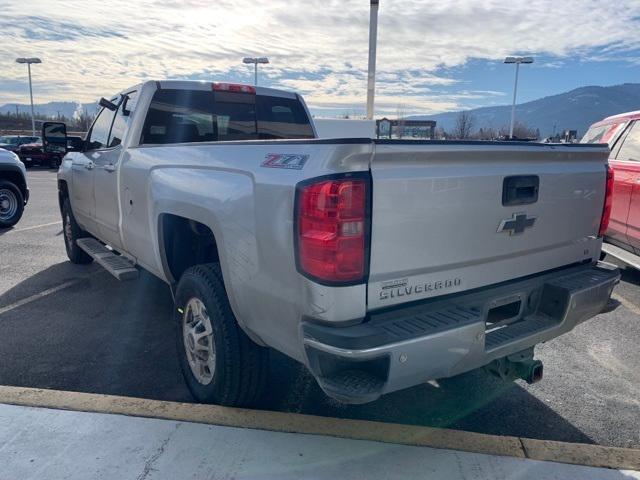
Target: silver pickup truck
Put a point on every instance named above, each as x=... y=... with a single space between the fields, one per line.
x=378 y=264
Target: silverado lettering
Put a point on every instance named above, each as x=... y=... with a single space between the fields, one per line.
x=387 y=292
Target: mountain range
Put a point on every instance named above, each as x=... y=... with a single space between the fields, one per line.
x=574 y=110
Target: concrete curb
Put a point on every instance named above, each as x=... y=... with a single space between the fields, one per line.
x=573 y=453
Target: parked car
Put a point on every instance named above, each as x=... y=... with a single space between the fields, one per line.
x=378 y=264
x=33 y=154
x=14 y=193
x=13 y=142
x=622 y=133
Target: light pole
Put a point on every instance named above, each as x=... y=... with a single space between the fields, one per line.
x=29 y=61
x=517 y=61
x=373 y=40
x=255 y=61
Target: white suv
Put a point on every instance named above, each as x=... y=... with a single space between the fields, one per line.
x=14 y=193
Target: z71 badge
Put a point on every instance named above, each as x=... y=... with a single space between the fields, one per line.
x=291 y=161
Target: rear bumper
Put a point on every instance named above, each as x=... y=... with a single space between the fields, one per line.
x=402 y=347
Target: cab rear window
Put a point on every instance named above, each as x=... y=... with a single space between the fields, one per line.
x=186 y=116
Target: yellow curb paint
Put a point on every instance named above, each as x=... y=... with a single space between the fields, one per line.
x=627 y=303
x=580 y=454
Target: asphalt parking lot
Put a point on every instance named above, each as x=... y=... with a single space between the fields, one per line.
x=73 y=327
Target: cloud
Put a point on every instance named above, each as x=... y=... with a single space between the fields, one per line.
x=93 y=48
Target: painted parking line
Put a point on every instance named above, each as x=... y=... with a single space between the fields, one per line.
x=16 y=230
x=48 y=291
x=627 y=303
x=573 y=453
x=38 y=296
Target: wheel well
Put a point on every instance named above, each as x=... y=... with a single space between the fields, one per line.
x=63 y=193
x=16 y=178
x=186 y=243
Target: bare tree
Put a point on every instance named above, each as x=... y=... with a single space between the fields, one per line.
x=400 y=114
x=464 y=125
x=520 y=130
x=486 y=133
x=441 y=134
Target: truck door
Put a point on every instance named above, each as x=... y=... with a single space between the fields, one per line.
x=107 y=212
x=633 y=222
x=626 y=168
x=83 y=167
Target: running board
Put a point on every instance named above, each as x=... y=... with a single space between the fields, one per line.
x=622 y=255
x=117 y=265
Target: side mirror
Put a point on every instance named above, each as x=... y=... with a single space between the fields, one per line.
x=125 y=111
x=54 y=137
x=75 y=144
x=108 y=105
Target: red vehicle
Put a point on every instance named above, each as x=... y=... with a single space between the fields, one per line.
x=33 y=154
x=622 y=133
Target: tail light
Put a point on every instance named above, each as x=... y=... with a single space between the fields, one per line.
x=233 y=87
x=332 y=228
x=608 y=201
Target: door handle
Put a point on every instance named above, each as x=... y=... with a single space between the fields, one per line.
x=520 y=190
x=89 y=166
x=110 y=167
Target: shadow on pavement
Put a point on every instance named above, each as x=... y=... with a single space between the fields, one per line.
x=102 y=336
x=473 y=401
x=630 y=275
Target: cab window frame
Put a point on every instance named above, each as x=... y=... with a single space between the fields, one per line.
x=622 y=139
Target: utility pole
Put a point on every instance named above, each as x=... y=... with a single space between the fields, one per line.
x=517 y=61
x=255 y=61
x=373 y=40
x=29 y=61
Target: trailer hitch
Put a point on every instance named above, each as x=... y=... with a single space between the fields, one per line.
x=519 y=365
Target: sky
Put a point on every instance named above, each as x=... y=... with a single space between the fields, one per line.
x=433 y=56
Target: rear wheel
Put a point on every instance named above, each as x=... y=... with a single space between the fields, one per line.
x=220 y=363
x=11 y=204
x=73 y=232
x=54 y=162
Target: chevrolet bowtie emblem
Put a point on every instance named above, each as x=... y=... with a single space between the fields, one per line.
x=516 y=224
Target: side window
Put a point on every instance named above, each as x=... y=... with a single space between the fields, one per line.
x=100 y=130
x=120 y=121
x=630 y=149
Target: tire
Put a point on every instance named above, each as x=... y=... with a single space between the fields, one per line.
x=73 y=232
x=238 y=375
x=54 y=162
x=11 y=204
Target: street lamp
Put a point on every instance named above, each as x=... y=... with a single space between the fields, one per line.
x=255 y=61
x=29 y=61
x=371 y=71
x=517 y=61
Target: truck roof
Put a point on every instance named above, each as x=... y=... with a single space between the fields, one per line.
x=620 y=117
x=204 y=85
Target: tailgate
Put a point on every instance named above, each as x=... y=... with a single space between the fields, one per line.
x=440 y=223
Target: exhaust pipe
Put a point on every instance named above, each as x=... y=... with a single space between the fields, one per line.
x=520 y=365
